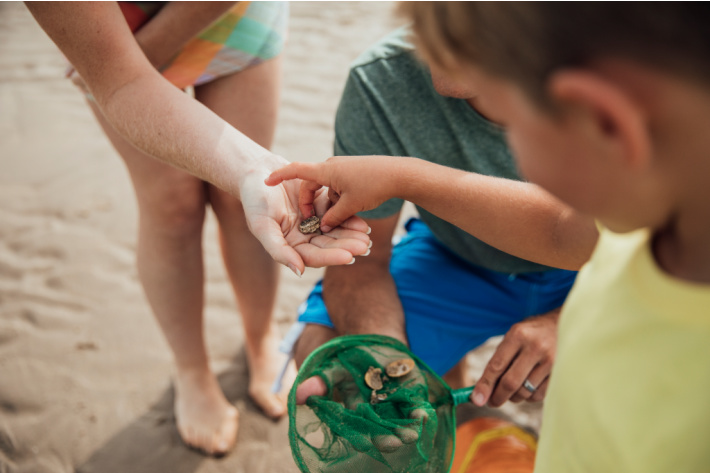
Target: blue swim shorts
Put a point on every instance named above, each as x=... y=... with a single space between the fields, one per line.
x=452 y=306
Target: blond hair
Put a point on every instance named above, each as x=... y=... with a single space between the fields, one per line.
x=526 y=41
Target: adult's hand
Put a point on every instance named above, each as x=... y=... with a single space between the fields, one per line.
x=273 y=217
x=526 y=353
x=163 y=122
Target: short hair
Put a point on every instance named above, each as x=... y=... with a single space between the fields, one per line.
x=526 y=41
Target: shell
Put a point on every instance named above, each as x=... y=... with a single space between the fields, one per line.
x=399 y=368
x=309 y=225
x=373 y=378
x=376 y=397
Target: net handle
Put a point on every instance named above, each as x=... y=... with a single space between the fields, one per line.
x=462 y=395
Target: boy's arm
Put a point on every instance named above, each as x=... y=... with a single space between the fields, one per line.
x=518 y=218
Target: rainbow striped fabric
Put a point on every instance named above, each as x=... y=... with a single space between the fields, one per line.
x=249 y=33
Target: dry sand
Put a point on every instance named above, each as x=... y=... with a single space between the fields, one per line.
x=84 y=371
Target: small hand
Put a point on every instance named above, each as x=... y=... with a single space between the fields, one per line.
x=356 y=184
x=526 y=353
x=273 y=218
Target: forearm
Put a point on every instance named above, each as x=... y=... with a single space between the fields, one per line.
x=174 y=25
x=141 y=105
x=362 y=298
x=516 y=217
x=180 y=131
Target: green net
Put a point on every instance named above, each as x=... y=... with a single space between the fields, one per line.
x=372 y=418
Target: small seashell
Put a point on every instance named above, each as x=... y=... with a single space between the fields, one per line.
x=373 y=397
x=373 y=378
x=399 y=368
x=376 y=397
x=310 y=225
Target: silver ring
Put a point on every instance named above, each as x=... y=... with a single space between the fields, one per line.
x=529 y=386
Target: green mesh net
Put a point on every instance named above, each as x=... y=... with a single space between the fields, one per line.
x=372 y=422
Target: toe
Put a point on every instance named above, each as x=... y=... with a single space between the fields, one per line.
x=227 y=436
x=272 y=405
x=217 y=441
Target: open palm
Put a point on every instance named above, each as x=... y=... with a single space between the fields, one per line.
x=273 y=217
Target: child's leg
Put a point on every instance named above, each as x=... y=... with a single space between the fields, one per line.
x=248 y=100
x=172 y=206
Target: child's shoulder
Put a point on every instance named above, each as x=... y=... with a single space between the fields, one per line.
x=624 y=265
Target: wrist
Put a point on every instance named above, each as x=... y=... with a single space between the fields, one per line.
x=410 y=179
x=553 y=315
x=246 y=159
x=255 y=167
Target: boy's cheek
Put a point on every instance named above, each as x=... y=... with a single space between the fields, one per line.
x=542 y=160
x=532 y=156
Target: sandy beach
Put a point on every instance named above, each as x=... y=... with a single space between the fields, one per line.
x=85 y=381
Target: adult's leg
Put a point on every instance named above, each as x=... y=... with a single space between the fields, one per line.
x=248 y=100
x=169 y=255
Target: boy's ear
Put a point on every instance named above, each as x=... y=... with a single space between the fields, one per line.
x=610 y=114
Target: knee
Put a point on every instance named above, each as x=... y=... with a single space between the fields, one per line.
x=225 y=206
x=177 y=213
x=312 y=337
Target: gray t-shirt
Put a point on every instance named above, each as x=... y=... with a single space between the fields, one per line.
x=390 y=107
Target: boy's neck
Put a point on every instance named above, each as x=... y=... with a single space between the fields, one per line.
x=682 y=248
x=677 y=112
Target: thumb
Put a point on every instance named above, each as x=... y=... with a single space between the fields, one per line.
x=337 y=214
x=306 y=196
x=480 y=394
x=313 y=386
x=273 y=241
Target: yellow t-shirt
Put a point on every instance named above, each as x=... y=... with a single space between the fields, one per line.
x=630 y=390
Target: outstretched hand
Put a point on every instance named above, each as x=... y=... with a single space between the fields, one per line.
x=273 y=217
x=356 y=184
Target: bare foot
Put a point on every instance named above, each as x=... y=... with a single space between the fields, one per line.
x=265 y=364
x=205 y=419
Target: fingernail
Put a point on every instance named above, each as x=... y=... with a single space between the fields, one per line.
x=325 y=228
x=295 y=269
x=369 y=245
x=369 y=230
x=351 y=262
x=366 y=253
x=479 y=399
